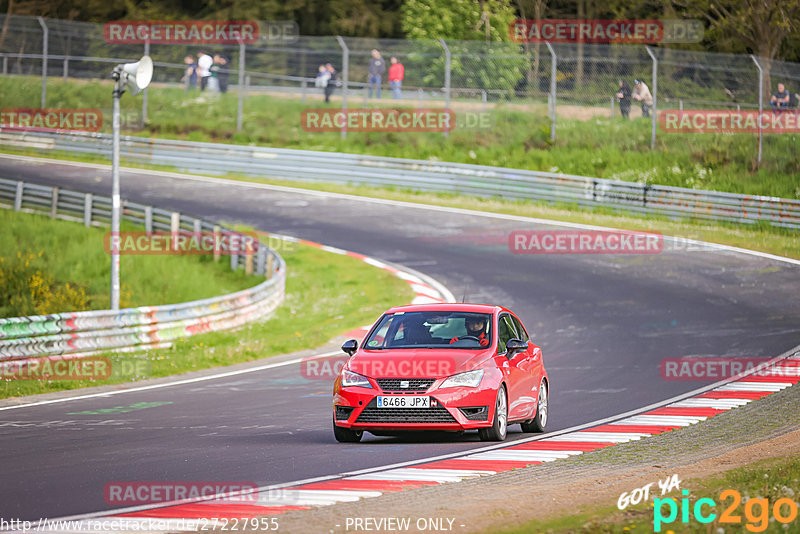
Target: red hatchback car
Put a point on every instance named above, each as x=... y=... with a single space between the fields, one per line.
x=451 y=367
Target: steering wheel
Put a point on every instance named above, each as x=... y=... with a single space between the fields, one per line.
x=469 y=337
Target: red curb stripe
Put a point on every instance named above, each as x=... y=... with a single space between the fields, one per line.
x=792 y=379
x=649 y=429
x=688 y=412
x=753 y=395
x=480 y=465
x=560 y=446
x=198 y=511
x=367 y=485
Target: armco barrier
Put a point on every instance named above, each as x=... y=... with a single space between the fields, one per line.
x=476 y=180
x=81 y=333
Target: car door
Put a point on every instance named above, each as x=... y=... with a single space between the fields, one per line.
x=533 y=365
x=520 y=402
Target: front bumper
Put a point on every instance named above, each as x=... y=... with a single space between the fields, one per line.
x=452 y=409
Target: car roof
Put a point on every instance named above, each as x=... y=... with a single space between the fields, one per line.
x=448 y=306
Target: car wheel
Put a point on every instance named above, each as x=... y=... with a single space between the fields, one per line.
x=538 y=423
x=346 y=435
x=497 y=432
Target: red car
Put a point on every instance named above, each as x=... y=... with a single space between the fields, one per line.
x=451 y=367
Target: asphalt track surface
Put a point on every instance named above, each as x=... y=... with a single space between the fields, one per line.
x=605 y=322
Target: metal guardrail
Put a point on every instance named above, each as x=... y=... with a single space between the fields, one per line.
x=81 y=333
x=420 y=175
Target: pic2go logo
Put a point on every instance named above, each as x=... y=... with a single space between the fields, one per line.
x=756 y=511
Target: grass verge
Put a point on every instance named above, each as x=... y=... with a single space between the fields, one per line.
x=326 y=294
x=517 y=136
x=775 y=480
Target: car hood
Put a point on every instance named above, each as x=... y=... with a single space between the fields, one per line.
x=416 y=363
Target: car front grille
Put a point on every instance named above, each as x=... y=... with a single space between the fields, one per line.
x=415 y=385
x=435 y=414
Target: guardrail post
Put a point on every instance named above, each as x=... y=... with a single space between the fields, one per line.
x=240 y=104
x=345 y=80
x=270 y=265
x=87 y=209
x=760 y=104
x=447 y=67
x=18 y=196
x=553 y=78
x=217 y=251
x=234 y=261
x=45 y=35
x=261 y=261
x=54 y=203
x=248 y=259
x=654 y=111
x=148 y=219
x=174 y=228
x=197 y=228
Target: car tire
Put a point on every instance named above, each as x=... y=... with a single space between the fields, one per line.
x=499 y=428
x=346 y=435
x=538 y=423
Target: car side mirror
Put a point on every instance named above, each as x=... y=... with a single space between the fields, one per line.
x=515 y=346
x=350 y=346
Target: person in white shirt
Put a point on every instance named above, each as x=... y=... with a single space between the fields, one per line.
x=641 y=93
x=204 y=62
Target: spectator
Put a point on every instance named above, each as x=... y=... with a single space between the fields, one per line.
x=624 y=98
x=780 y=99
x=396 y=73
x=323 y=77
x=221 y=70
x=204 y=63
x=377 y=67
x=190 y=75
x=641 y=93
x=333 y=81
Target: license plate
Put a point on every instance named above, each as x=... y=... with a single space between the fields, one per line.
x=404 y=401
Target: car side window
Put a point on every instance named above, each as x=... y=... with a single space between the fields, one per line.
x=505 y=332
x=521 y=333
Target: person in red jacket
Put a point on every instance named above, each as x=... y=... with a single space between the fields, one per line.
x=396 y=73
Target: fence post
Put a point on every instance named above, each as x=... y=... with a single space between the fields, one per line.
x=18 y=196
x=760 y=103
x=65 y=70
x=54 y=203
x=553 y=76
x=5 y=65
x=234 y=261
x=654 y=111
x=248 y=259
x=45 y=35
x=270 y=263
x=612 y=108
x=303 y=87
x=175 y=227
x=345 y=75
x=240 y=108
x=87 y=209
x=217 y=240
x=197 y=228
x=144 y=93
x=447 y=67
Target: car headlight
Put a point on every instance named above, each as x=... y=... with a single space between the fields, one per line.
x=349 y=378
x=470 y=379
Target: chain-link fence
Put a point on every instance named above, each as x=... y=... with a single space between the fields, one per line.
x=562 y=82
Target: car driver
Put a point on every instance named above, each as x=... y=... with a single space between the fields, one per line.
x=476 y=327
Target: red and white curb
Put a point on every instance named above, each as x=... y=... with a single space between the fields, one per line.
x=490 y=460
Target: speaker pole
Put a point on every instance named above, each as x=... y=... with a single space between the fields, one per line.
x=115 y=200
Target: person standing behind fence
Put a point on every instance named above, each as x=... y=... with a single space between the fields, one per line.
x=377 y=68
x=396 y=73
x=780 y=99
x=333 y=81
x=641 y=93
x=223 y=76
x=190 y=75
x=624 y=98
x=204 y=63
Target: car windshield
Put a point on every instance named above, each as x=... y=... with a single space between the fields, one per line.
x=431 y=329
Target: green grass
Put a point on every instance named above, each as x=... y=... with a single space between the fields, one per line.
x=772 y=479
x=326 y=295
x=69 y=253
x=519 y=138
